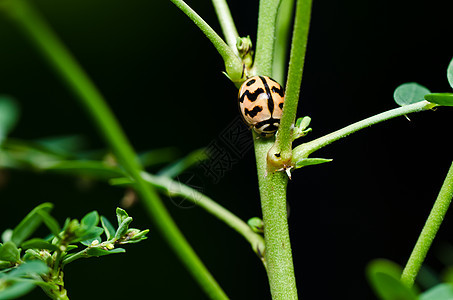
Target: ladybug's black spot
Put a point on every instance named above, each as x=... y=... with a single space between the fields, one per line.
x=251 y=96
x=252 y=113
x=281 y=105
x=250 y=82
x=270 y=101
x=272 y=125
x=278 y=91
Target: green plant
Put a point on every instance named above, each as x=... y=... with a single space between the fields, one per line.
x=26 y=262
x=275 y=159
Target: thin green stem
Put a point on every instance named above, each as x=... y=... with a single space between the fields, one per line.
x=278 y=255
x=226 y=22
x=282 y=40
x=429 y=231
x=178 y=189
x=304 y=150
x=267 y=17
x=63 y=62
x=233 y=63
x=281 y=153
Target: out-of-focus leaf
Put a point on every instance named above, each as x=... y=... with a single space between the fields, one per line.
x=94 y=169
x=66 y=146
x=29 y=224
x=17 y=289
x=31 y=267
x=409 y=93
x=9 y=252
x=37 y=243
x=158 y=156
x=443 y=291
x=6 y=235
x=183 y=164
x=384 y=277
x=9 y=114
x=50 y=222
x=450 y=73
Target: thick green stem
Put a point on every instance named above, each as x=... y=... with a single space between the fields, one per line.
x=429 y=231
x=267 y=17
x=63 y=62
x=278 y=255
x=281 y=153
x=226 y=22
x=304 y=150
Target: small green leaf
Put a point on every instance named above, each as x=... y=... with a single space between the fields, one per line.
x=9 y=113
x=384 y=277
x=96 y=251
x=443 y=291
x=256 y=224
x=123 y=228
x=90 y=219
x=109 y=230
x=444 y=99
x=6 y=235
x=38 y=244
x=91 y=233
x=121 y=215
x=133 y=235
x=409 y=93
x=311 y=161
x=89 y=242
x=9 y=252
x=450 y=73
x=50 y=222
x=29 y=224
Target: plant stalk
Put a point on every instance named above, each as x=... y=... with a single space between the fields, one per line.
x=429 y=231
x=226 y=22
x=62 y=61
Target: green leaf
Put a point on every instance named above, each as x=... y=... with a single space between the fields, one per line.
x=88 y=168
x=90 y=241
x=9 y=252
x=123 y=228
x=133 y=235
x=17 y=289
x=96 y=251
x=37 y=243
x=256 y=224
x=183 y=164
x=450 y=73
x=108 y=228
x=64 y=146
x=6 y=235
x=158 y=156
x=50 y=222
x=409 y=93
x=31 y=267
x=311 y=161
x=9 y=114
x=121 y=215
x=443 y=291
x=91 y=233
x=384 y=277
x=91 y=219
x=29 y=224
x=444 y=99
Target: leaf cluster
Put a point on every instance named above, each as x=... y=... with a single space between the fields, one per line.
x=26 y=261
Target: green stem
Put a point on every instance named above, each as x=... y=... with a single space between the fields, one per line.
x=278 y=255
x=304 y=150
x=63 y=62
x=281 y=153
x=226 y=22
x=179 y=189
x=282 y=35
x=233 y=63
x=429 y=231
x=267 y=17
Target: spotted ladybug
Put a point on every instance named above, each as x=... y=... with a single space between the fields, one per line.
x=260 y=103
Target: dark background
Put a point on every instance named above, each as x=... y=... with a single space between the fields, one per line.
x=163 y=80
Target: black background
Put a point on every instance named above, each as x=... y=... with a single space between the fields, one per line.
x=163 y=80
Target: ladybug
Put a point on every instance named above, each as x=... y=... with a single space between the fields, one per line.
x=260 y=103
